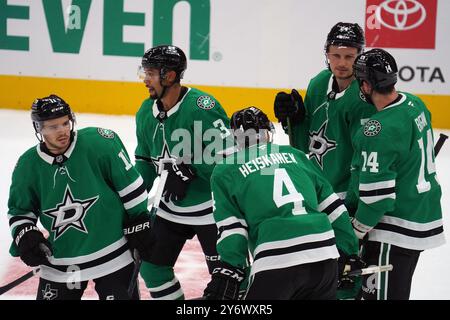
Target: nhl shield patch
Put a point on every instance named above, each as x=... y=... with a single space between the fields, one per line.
x=372 y=128
x=205 y=102
x=106 y=133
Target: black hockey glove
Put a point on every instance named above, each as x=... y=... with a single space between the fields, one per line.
x=347 y=263
x=139 y=235
x=224 y=284
x=178 y=180
x=32 y=245
x=289 y=105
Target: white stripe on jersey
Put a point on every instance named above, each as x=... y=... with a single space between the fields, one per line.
x=294 y=241
x=136 y=201
x=232 y=232
x=231 y=220
x=372 y=199
x=130 y=188
x=293 y=259
x=376 y=185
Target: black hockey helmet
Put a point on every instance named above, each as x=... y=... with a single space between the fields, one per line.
x=347 y=35
x=377 y=67
x=165 y=58
x=48 y=108
x=250 y=118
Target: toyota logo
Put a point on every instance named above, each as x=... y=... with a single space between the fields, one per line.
x=401 y=12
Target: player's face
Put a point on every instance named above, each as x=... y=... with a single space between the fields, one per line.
x=341 y=61
x=152 y=82
x=56 y=133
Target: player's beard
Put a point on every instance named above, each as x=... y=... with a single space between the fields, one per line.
x=60 y=144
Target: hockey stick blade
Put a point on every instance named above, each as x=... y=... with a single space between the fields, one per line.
x=19 y=280
x=439 y=143
x=369 y=270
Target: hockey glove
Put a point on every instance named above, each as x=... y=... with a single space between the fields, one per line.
x=224 y=284
x=139 y=235
x=178 y=179
x=347 y=263
x=289 y=105
x=32 y=245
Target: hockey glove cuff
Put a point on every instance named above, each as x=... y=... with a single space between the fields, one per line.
x=225 y=282
x=139 y=235
x=32 y=245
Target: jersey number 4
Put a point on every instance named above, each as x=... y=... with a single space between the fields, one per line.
x=281 y=178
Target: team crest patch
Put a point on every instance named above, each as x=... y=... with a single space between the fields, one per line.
x=106 y=133
x=372 y=128
x=205 y=102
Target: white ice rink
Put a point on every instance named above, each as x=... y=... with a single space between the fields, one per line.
x=431 y=280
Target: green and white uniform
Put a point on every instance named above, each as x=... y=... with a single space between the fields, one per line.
x=272 y=201
x=394 y=182
x=82 y=199
x=196 y=130
x=331 y=119
x=193 y=130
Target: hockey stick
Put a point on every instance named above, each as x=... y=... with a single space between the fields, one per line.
x=439 y=143
x=369 y=270
x=19 y=280
x=28 y=275
x=289 y=129
x=137 y=259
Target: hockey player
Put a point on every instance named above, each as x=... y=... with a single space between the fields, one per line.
x=272 y=201
x=333 y=109
x=83 y=189
x=399 y=209
x=172 y=128
x=332 y=112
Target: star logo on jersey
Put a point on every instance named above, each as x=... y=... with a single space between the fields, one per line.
x=205 y=102
x=319 y=144
x=372 y=128
x=70 y=213
x=49 y=293
x=164 y=157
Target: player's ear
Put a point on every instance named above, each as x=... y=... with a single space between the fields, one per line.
x=170 y=77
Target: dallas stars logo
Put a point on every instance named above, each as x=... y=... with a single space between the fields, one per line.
x=49 y=293
x=319 y=144
x=164 y=157
x=69 y=213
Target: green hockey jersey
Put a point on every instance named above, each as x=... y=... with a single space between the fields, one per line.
x=196 y=130
x=331 y=119
x=394 y=179
x=272 y=201
x=82 y=203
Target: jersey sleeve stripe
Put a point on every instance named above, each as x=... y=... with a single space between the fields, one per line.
x=326 y=203
x=142 y=158
x=134 y=194
x=227 y=233
x=337 y=213
x=13 y=225
x=377 y=185
x=131 y=187
x=136 y=201
x=230 y=221
x=373 y=199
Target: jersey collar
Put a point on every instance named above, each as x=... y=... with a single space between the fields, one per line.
x=336 y=95
x=403 y=98
x=50 y=159
x=171 y=111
